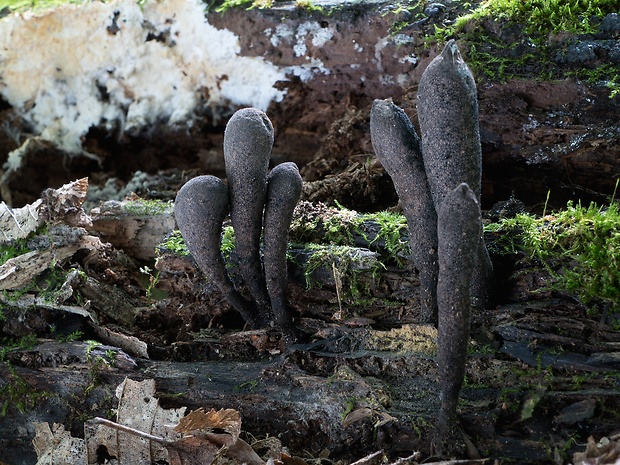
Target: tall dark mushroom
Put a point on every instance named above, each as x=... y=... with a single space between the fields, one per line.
x=397 y=146
x=200 y=208
x=283 y=191
x=248 y=140
x=448 y=114
x=458 y=228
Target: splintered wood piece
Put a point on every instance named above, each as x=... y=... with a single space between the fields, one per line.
x=20 y=271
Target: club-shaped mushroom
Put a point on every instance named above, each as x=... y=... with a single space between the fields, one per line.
x=248 y=140
x=283 y=192
x=397 y=146
x=448 y=114
x=458 y=228
x=200 y=208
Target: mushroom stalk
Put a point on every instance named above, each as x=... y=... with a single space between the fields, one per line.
x=397 y=146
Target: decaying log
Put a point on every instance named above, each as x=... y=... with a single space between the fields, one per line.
x=135 y=226
x=111 y=301
x=350 y=390
x=256 y=389
x=21 y=271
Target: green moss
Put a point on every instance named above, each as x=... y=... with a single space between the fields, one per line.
x=383 y=232
x=583 y=243
x=323 y=224
x=174 y=243
x=308 y=5
x=74 y=336
x=143 y=207
x=223 y=6
x=392 y=227
x=17 y=394
x=228 y=241
x=36 y=5
x=540 y=17
x=13 y=249
x=526 y=48
x=346 y=265
x=9 y=344
x=249 y=4
x=43 y=5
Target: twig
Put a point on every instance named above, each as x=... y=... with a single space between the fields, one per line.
x=128 y=430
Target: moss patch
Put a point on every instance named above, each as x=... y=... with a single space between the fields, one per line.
x=507 y=39
x=142 y=207
x=582 y=243
x=541 y=17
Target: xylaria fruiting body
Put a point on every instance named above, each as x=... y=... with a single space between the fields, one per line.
x=248 y=140
x=200 y=208
x=284 y=187
x=397 y=146
x=458 y=230
x=448 y=115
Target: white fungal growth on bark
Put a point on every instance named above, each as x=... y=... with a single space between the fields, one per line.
x=124 y=67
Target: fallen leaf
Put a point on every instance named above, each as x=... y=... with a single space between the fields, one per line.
x=138 y=410
x=227 y=420
x=56 y=446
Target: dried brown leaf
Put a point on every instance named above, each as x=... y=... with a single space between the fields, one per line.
x=228 y=420
x=138 y=410
x=56 y=446
x=238 y=453
x=192 y=450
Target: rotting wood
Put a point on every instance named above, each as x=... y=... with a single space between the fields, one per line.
x=134 y=226
x=22 y=270
x=111 y=301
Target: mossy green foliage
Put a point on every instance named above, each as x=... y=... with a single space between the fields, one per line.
x=228 y=241
x=13 y=249
x=346 y=264
x=392 y=227
x=142 y=207
x=524 y=48
x=340 y=226
x=174 y=243
x=323 y=224
x=9 y=344
x=542 y=17
x=19 y=395
x=41 y=5
x=584 y=240
x=222 y=7
x=228 y=4
x=15 y=392
x=47 y=285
